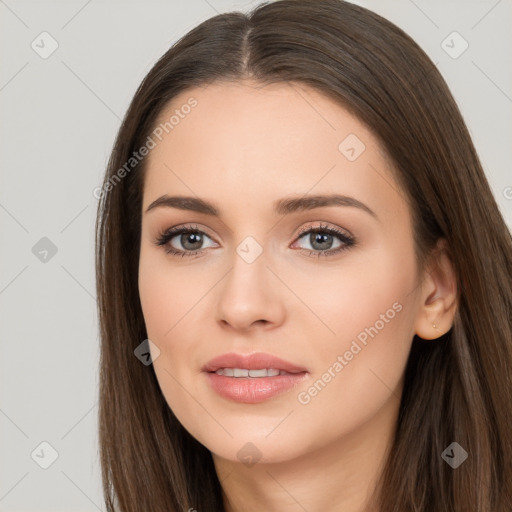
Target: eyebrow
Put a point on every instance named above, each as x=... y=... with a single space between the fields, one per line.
x=283 y=206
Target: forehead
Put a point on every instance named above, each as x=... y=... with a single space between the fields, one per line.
x=282 y=118
x=249 y=142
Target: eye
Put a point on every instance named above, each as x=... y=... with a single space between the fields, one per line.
x=185 y=241
x=189 y=240
x=322 y=239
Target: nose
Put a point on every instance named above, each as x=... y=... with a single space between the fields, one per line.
x=250 y=296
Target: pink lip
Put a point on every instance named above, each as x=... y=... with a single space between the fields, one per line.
x=249 y=389
x=253 y=361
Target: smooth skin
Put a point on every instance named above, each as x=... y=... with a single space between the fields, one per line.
x=241 y=148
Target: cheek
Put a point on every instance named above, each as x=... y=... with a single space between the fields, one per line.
x=172 y=298
x=167 y=298
x=364 y=298
x=166 y=294
x=360 y=367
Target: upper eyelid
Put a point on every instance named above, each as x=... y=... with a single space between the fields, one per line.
x=175 y=230
x=337 y=230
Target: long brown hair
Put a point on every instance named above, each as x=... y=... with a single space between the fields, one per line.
x=456 y=390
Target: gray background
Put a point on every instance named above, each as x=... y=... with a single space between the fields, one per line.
x=59 y=118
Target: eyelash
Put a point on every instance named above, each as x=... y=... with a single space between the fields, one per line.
x=166 y=236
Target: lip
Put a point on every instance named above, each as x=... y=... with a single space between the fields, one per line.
x=252 y=390
x=251 y=362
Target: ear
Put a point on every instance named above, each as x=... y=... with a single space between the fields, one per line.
x=438 y=298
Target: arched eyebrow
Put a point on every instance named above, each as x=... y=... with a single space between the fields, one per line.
x=284 y=206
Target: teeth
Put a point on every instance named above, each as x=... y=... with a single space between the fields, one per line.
x=243 y=372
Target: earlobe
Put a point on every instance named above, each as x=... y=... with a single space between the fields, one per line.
x=438 y=300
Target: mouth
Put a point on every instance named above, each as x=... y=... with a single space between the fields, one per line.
x=238 y=373
x=252 y=378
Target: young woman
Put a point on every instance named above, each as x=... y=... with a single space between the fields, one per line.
x=304 y=280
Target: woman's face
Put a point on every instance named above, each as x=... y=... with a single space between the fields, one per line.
x=330 y=286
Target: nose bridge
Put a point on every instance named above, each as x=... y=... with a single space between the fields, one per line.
x=248 y=269
x=250 y=250
x=248 y=295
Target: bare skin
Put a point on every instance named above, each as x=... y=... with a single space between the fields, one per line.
x=243 y=147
